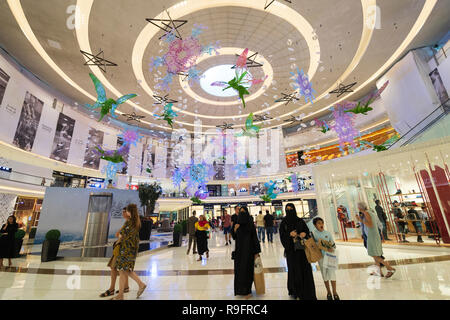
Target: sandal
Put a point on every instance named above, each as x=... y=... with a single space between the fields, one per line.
x=126 y=290
x=336 y=297
x=107 y=293
x=207 y=254
x=390 y=273
x=329 y=296
x=116 y=298
x=141 y=291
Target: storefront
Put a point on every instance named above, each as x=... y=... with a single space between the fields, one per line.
x=27 y=211
x=68 y=180
x=416 y=176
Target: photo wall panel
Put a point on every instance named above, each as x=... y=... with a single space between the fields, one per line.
x=135 y=159
x=63 y=138
x=4 y=79
x=30 y=116
x=37 y=121
x=46 y=131
x=92 y=158
x=78 y=144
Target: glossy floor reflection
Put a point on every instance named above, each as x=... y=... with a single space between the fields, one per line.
x=422 y=273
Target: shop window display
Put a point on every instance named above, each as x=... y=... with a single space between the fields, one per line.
x=411 y=184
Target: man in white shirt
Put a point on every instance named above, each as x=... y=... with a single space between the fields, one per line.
x=261 y=227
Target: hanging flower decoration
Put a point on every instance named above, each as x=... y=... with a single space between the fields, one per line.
x=177 y=177
x=197 y=175
x=344 y=125
x=130 y=136
x=323 y=125
x=211 y=48
x=181 y=56
x=304 y=86
x=240 y=170
x=294 y=182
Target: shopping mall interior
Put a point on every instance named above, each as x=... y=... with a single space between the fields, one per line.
x=198 y=107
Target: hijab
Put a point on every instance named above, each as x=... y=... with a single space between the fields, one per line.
x=291 y=216
x=244 y=216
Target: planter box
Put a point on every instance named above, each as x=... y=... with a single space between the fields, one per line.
x=49 y=250
x=177 y=239
x=146 y=230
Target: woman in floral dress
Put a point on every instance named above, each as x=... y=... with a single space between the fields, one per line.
x=129 y=245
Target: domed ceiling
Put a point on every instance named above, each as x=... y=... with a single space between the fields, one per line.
x=340 y=42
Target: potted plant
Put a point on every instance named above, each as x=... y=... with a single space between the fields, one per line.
x=50 y=245
x=32 y=234
x=149 y=194
x=184 y=225
x=177 y=235
x=18 y=240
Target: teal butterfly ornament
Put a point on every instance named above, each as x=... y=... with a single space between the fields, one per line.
x=168 y=114
x=250 y=129
x=106 y=105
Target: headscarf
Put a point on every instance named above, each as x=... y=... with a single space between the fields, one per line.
x=244 y=216
x=202 y=223
x=291 y=216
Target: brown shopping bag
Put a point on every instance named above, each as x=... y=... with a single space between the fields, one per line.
x=258 y=277
x=312 y=251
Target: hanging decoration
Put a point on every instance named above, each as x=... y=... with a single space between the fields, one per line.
x=341 y=89
x=323 y=125
x=168 y=114
x=130 y=136
x=384 y=146
x=106 y=105
x=240 y=170
x=181 y=56
x=97 y=60
x=294 y=182
x=303 y=85
x=344 y=126
x=363 y=106
x=243 y=79
x=250 y=129
x=177 y=177
x=270 y=193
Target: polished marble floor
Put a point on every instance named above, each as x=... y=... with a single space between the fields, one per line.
x=422 y=273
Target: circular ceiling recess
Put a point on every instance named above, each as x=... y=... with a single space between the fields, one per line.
x=220 y=73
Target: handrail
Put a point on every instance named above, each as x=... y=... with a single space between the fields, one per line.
x=445 y=112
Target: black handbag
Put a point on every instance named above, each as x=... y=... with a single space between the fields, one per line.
x=298 y=245
x=233 y=255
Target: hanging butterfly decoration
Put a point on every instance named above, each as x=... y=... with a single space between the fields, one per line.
x=250 y=129
x=168 y=114
x=106 y=105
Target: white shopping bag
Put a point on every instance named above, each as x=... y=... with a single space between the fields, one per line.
x=330 y=261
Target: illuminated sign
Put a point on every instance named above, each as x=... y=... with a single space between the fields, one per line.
x=6 y=169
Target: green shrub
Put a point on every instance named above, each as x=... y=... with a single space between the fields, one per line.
x=178 y=228
x=52 y=235
x=19 y=234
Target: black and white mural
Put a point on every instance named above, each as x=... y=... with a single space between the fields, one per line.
x=63 y=138
x=28 y=122
x=91 y=157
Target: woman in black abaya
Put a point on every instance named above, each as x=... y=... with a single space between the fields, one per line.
x=300 y=276
x=247 y=249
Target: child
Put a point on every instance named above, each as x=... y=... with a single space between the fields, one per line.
x=325 y=242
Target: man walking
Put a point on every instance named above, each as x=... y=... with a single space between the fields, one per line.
x=260 y=225
x=382 y=217
x=191 y=230
x=268 y=222
x=227 y=227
